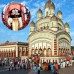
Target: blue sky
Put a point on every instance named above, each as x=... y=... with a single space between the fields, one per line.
x=66 y=6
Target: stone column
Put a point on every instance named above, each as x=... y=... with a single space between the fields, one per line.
x=22 y=51
x=18 y=51
x=26 y=50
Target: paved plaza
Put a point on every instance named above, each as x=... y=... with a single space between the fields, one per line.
x=4 y=70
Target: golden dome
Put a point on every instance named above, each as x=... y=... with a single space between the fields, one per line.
x=39 y=11
x=48 y=4
x=32 y=24
x=66 y=25
x=54 y=18
x=59 y=13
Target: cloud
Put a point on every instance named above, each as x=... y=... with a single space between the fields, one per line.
x=72 y=42
x=72 y=3
x=26 y=2
x=15 y=34
x=59 y=4
x=19 y=34
x=2 y=30
x=72 y=33
x=36 y=5
x=69 y=18
x=39 y=4
x=2 y=5
x=14 y=37
x=64 y=0
x=33 y=12
x=9 y=33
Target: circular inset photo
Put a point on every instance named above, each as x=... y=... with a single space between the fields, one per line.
x=16 y=16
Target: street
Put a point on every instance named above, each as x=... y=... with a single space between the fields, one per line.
x=4 y=70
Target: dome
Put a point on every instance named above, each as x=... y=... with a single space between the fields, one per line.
x=39 y=11
x=59 y=13
x=53 y=18
x=66 y=25
x=32 y=24
x=48 y=4
x=52 y=7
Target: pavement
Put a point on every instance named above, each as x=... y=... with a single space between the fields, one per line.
x=5 y=70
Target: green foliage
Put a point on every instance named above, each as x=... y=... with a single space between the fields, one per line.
x=72 y=47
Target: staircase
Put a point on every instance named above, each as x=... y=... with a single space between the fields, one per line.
x=36 y=59
x=68 y=57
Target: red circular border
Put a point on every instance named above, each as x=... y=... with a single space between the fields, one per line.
x=25 y=23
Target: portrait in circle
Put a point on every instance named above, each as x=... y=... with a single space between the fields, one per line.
x=16 y=16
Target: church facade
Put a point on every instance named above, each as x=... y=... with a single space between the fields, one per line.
x=49 y=39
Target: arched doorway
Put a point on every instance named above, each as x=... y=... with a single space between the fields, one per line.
x=32 y=52
x=44 y=52
x=48 y=52
x=36 y=51
x=40 y=52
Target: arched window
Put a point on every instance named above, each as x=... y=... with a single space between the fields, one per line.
x=41 y=28
x=47 y=27
x=47 y=13
x=44 y=27
x=52 y=24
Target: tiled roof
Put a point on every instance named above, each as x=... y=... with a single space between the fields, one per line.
x=14 y=43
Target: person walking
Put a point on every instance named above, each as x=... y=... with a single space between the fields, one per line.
x=55 y=71
x=52 y=70
x=38 y=68
x=20 y=65
x=31 y=65
x=2 y=62
x=26 y=65
x=9 y=67
x=35 y=69
x=56 y=66
x=12 y=66
x=7 y=62
x=59 y=65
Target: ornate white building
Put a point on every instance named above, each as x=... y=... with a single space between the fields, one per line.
x=50 y=39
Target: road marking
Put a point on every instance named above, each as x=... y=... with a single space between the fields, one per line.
x=4 y=70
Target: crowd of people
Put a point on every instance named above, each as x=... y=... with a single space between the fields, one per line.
x=35 y=66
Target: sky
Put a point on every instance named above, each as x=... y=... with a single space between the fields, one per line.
x=66 y=6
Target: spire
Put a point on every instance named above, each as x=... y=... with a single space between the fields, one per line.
x=66 y=21
x=32 y=19
x=59 y=8
x=39 y=7
x=51 y=2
